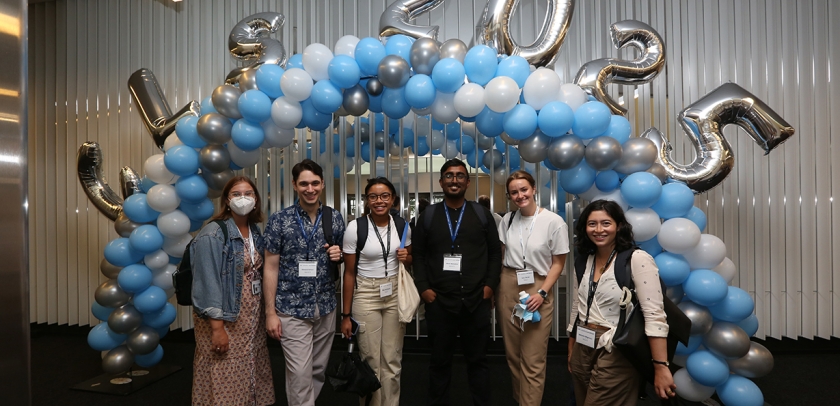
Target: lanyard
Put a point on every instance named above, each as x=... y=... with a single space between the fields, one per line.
x=524 y=242
x=593 y=286
x=454 y=234
x=385 y=252
x=308 y=238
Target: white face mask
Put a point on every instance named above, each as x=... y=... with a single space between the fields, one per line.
x=242 y=205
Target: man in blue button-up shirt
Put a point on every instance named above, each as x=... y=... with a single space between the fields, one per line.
x=299 y=289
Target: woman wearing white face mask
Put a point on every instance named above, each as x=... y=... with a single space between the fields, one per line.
x=231 y=365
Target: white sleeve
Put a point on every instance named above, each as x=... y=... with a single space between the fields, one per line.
x=649 y=291
x=559 y=237
x=503 y=228
x=350 y=235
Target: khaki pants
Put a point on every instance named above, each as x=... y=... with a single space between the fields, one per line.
x=525 y=350
x=306 y=347
x=603 y=378
x=380 y=336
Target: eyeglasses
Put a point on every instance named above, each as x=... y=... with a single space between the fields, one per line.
x=460 y=176
x=249 y=193
x=384 y=197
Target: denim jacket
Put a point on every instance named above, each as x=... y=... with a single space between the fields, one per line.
x=218 y=270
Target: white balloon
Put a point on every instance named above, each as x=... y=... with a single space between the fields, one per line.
x=156 y=171
x=436 y=140
x=243 y=158
x=727 y=270
x=709 y=252
x=615 y=196
x=316 y=61
x=346 y=45
x=173 y=224
x=680 y=360
x=449 y=150
x=276 y=137
x=286 y=113
x=162 y=277
x=443 y=108
x=541 y=88
x=163 y=198
x=689 y=389
x=175 y=246
x=678 y=235
x=501 y=94
x=469 y=100
x=156 y=260
x=645 y=223
x=171 y=141
x=296 y=85
x=590 y=194
x=572 y=95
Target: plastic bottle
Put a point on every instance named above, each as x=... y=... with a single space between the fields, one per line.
x=523 y=298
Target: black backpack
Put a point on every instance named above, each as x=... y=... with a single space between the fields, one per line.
x=362 y=232
x=327 y=226
x=183 y=276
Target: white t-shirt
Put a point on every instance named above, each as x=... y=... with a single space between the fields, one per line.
x=542 y=235
x=371 y=263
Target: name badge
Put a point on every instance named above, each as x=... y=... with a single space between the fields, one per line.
x=256 y=287
x=386 y=289
x=452 y=262
x=585 y=336
x=308 y=269
x=524 y=277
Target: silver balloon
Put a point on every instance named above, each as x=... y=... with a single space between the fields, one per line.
x=425 y=53
x=701 y=319
x=226 y=100
x=493 y=30
x=249 y=40
x=248 y=80
x=534 y=149
x=89 y=170
x=675 y=293
x=637 y=155
x=374 y=87
x=483 y=142
x=757 y=363
x=364 y=132
x=125 y=319
x=508 y=140
x=218 y=180
x=594 y=76
x=703 y=123
x=394 y=149
x=109 y=294
x=214 y=128
x=659 y=171
x=143 y=340
x=394 y=71
x=394 y=20
x=108 y=269
x=500 y=175
x=493 y=159
x=355 y=100
x=566 y=151
x=214 y=194
x=214 y=158
x=379 y=140
x=118 y=360
x=727 y=340
x=153 y=108
x=129 y=182
x=602 y=153
x=453 y=48
x=123 y=226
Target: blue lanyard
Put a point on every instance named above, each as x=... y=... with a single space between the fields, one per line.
x=454 y=234
x=308 y=238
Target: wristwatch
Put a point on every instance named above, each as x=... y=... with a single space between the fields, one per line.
x=343 y=315
x=666 y=363
x=543 y=293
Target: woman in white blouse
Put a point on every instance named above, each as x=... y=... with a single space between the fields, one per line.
x=370 y=288
x=535 y=243
x=600 y=373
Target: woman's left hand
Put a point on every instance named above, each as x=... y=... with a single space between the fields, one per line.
x=402 y=255
x=534 y=302
x=663 y=382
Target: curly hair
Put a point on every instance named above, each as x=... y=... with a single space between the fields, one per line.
x=624 y=234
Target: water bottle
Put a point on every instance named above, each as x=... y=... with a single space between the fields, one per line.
x=523 y=298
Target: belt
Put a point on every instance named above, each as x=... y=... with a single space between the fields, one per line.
x=596 y=327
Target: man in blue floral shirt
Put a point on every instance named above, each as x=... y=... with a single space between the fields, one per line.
x=298 y=285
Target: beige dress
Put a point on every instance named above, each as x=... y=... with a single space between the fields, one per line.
x=242 y=375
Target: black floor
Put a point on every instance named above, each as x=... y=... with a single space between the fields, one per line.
x=805 y=373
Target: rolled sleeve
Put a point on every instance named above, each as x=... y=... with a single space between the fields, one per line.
x=649 y=292
x=206 y=257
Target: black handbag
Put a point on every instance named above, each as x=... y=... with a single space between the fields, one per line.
x=354 y=375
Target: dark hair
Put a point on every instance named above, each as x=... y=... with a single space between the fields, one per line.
x=453 y=162
x=520 y=175
x=422 y=204
x=380 y=180
x=623 y=235
x=255 y=216
x=484 y=200
x=307 y=165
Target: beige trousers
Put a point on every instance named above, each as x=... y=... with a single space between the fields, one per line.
x=306 y=347
x=603 y=378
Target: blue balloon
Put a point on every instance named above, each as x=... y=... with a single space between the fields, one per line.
x=200 y=211
x=421 y=148
x=268 y=80
x=399 y=45
x=452 y=131
x=551 y=166
x=407 y=137
x=466 y=119
x=326 y=97
x=247 y=135
x=578 y=179
x=161 y=318
x=673 y=268
x=255 y=106
x=344 y=71
x=467 y=145
x=162 y=331
x=120 y=252
x=336 y=142
x=676 y=201
x=475 y=158
x=448 y=75
x=375 y=103
x=490 y=123
x=736 y=306
x=207 y=106
x=137 y=209
x=350 y=149
x=135 y=278
x=698 y=217
x=192 y=188
x=100 y=312
x=146 y=239
x=520 y=122
x=365 y=150
x=512 y=157
x=607 y=181
x=749 y=325
x=641 y=189
x=437 y=125
x=369 y=52
x=187 y=131
x=314 y=119
x=514 y=67
x=150 y=300
x=420 y=91
x=145 y=185
x=393 y=125
x=174 y=260
x=195 y=225
x=394 y=104
x=740 y=391
x=556 y=118
x=484 y=169
x=591 y=119
x=651 y=246
x=707 y=368
x=705 y=287
x=480 y=64
x=102 y=338
x=151 y=359
x=181 y=160
x=693 y=343
x=295 y=61
x=619 y=129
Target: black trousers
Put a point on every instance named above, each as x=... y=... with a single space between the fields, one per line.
x=474 y=328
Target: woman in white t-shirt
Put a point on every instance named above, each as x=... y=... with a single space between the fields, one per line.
x=535 y=242
x=370 y=287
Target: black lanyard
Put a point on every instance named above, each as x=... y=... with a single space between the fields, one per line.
x=385 y=252
x=593 y=286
